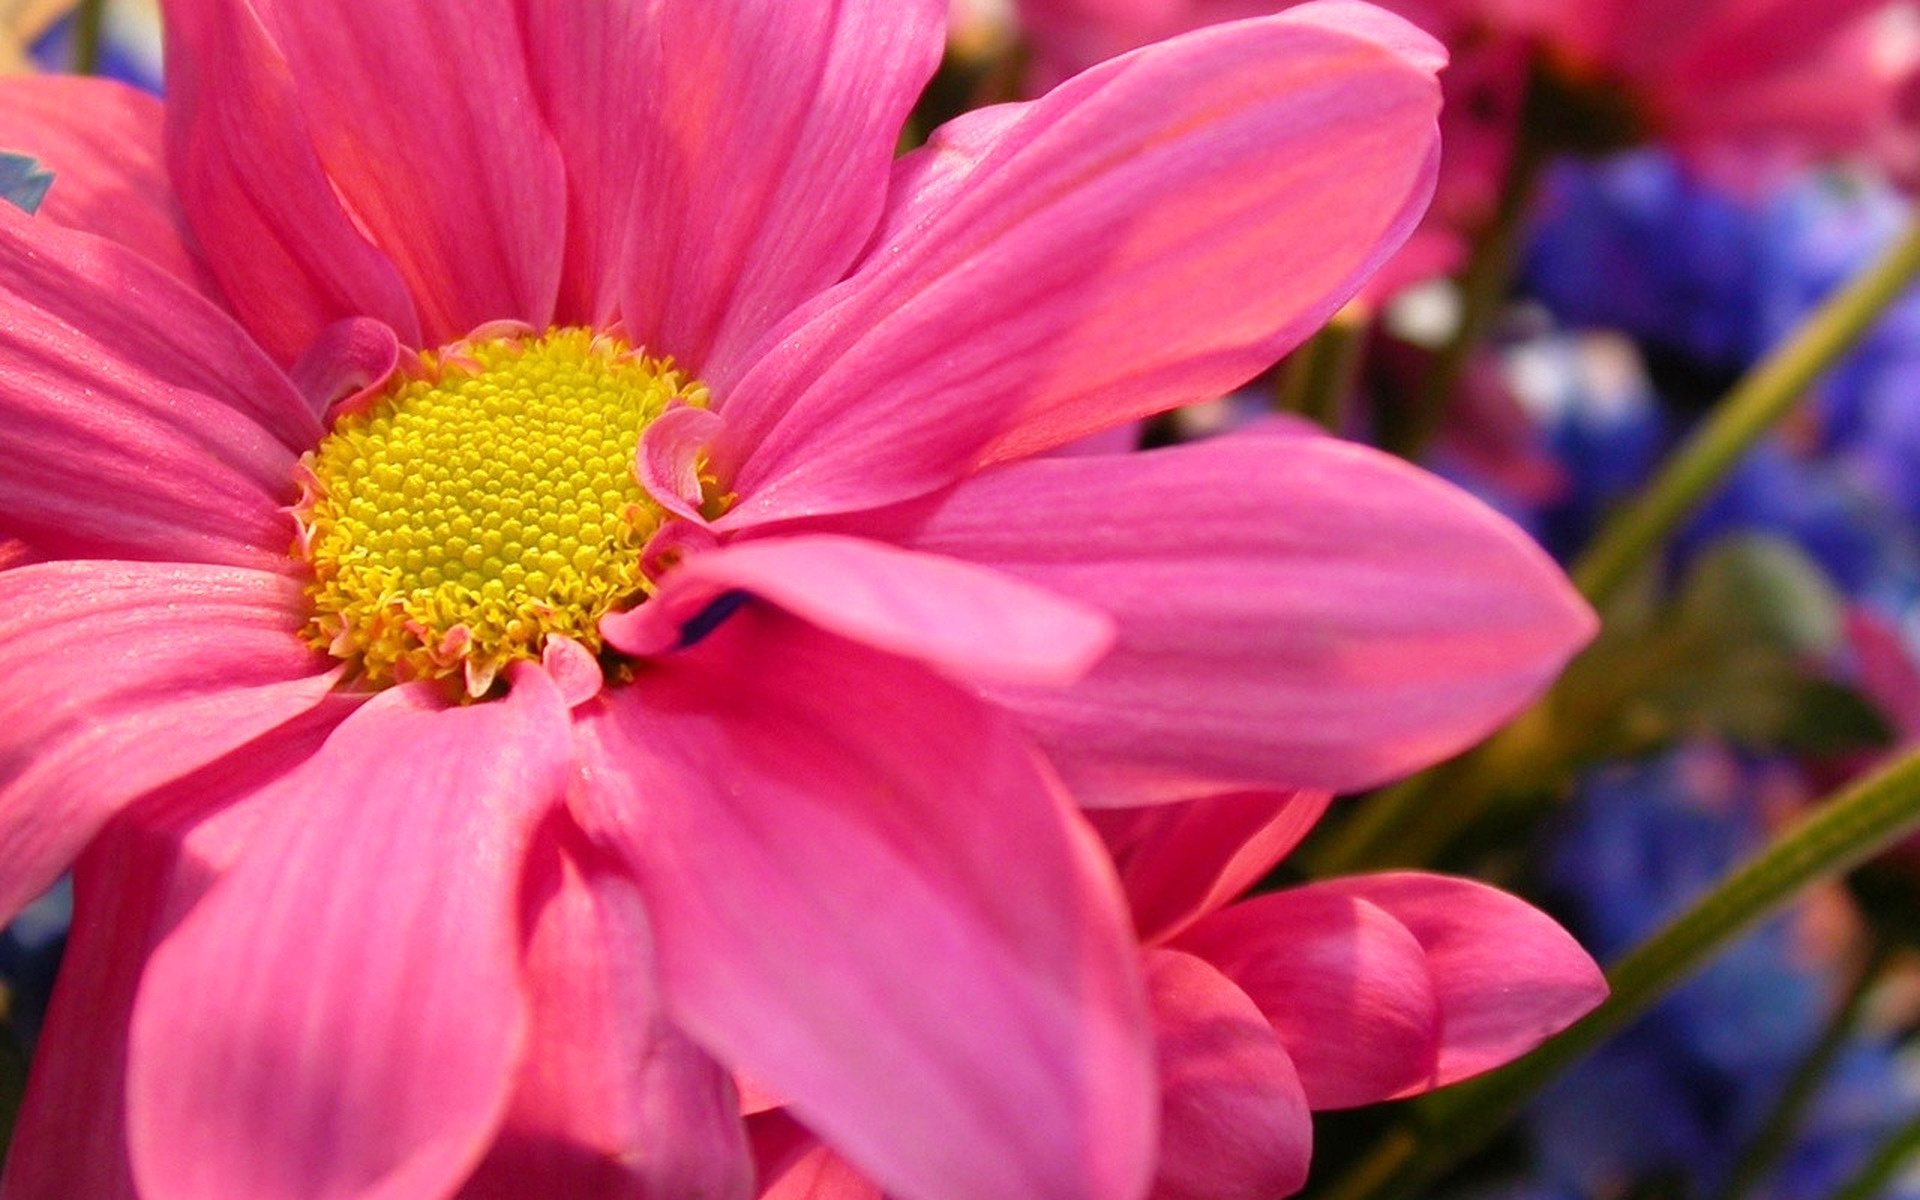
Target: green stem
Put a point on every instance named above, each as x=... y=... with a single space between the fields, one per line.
x=1887 y=1162
x=1482 y=289
x=88 y=19
x=1393 y=821
x=1409 y=824
x=1843 y=831
x=1771 y=1141
x=1756 y=404
x=1317 y=377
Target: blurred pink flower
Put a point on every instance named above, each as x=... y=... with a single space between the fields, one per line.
x=800 y=815
x=1331 y=995
x=1743 y=89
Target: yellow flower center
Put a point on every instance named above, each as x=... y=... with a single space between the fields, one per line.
x=485 y=501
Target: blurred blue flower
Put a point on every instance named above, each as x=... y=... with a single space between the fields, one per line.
x=1680 y=1093
x=1636 y=244
x=129 y=44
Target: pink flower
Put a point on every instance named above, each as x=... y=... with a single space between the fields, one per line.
x=481 y=738
x=1741 y=88
x=1332 y=995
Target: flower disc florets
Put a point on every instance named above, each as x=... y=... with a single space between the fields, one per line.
x=485 y=501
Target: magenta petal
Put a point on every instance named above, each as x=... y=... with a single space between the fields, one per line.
x=960 y=618
x=1345 y=985
x=1179 y=862
x=705 y=213
x=116 y=678
x=795 y=1165
x=288 y=256
x=1507 y=976
x=136 y=880
x=103 y=142
x=278 y=1050
x=421 y=114
x=141 y=422
x=1234 y=1123
x=1294 y=611
x=868 y=897
x=669 y=460
x=1056 y=268
x=347 y=365
x=613 y=1102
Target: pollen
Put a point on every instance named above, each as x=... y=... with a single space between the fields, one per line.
x=484 y=502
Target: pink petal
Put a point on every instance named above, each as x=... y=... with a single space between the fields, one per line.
x=1888 y=676
x=1660 y=41
x=1054 y=269
x=1506 y=975
x=1179 y=862
x=868 y=898
x=795 y=1165
x=1294 y=611
x=141 y=422
x=954 y=616
x=1344 y=984
x=102 y=140
x=1234 y=1123
x=573 y=668
x=735 y=190
x=669 y=460
x=135 y=882
x=116 y=678
x=423 y=117
x=290 y=259
x=347 y=366
x=342 y=1015
x=613 y=1103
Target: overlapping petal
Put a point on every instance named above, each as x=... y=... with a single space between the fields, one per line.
x=1180 y=861
x=103 y=141
x=1234 y=1123
x=279 y=1050
x=142 y=423
x=290 y=260
x=422 y=116
x=1343 y=983
x=135 y=882
x=795 y=1165
x=116 y=678
x=961 y=619
x=1129 y=242
x=1506 y=975
x=706 y=215
x=868 y=898
x=612 y=1102
x=1294 y=611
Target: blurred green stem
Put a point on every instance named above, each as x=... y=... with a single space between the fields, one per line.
x=1482 y=289
x=1442 y=800
x=1317 y=377
x=1756 y=404
x=88 y=19
x=1893 y=1156
x=1447 y=1126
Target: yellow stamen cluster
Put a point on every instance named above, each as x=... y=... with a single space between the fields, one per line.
x=485 y=501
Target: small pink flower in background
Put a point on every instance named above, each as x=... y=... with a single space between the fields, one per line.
x=1741 y=88
x=1332 y=995
x=549 y=602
